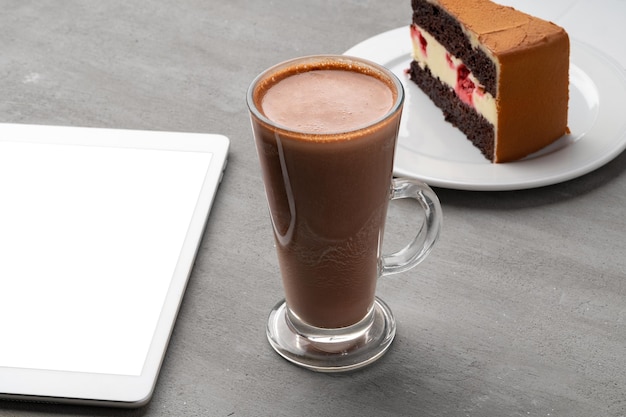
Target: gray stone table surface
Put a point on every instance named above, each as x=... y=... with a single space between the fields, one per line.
x=519 y=311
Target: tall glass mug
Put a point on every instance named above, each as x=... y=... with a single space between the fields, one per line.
x=325 y=128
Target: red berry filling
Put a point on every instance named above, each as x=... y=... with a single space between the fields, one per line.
x=417 y=35
x=449 y=60
x=464 y=86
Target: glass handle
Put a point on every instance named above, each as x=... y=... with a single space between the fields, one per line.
x=415 y=252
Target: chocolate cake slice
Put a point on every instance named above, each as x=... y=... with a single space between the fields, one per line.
x=499 y=75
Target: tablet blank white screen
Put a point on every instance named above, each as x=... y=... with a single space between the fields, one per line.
x=89 y=239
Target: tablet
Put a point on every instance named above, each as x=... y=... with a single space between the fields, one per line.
x=99 y=229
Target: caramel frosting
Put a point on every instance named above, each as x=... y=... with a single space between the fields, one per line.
x=500 y=29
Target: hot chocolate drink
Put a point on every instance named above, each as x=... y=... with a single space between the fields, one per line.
x=327 y=101
x=326 y=151
x=325 y=129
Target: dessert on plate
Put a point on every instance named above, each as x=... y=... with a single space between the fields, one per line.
x=498 y=75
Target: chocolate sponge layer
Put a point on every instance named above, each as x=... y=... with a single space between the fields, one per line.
x=448 y=32
x=473 y=125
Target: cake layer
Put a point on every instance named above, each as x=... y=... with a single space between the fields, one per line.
x=453 y=72
x=449 y=33
x=477 y=129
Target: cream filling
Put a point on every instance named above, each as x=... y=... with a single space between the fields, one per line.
x=451 y=71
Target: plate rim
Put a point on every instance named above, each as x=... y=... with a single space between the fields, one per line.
x=393 y=44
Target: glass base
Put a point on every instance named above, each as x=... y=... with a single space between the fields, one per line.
x=331 y=350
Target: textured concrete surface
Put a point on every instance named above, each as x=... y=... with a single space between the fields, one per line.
x=519 y=311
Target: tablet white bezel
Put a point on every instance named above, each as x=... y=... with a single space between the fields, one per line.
x=109 y=389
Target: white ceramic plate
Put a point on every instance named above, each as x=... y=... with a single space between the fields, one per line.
x=432 y=150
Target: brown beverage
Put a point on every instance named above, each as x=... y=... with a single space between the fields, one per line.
x=328 y=177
